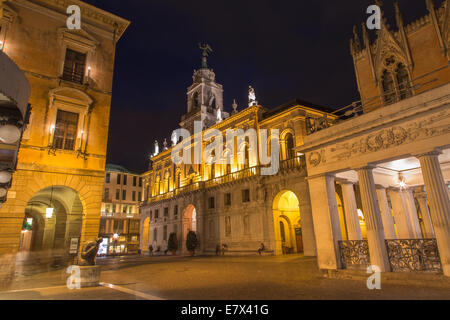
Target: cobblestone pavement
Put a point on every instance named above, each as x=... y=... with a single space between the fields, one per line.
x=219 y=278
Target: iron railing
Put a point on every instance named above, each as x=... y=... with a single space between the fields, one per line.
x=405 y=90
x=413 y=255
x=296 y=162
x=354 y=254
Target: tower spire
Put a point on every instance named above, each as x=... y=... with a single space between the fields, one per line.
x=398 y=15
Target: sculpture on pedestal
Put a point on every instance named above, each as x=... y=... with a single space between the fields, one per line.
x=89 y=252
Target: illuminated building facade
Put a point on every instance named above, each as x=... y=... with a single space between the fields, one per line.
x=120 y=218
x=232 y=204
x=391 y=150
x=56 y=193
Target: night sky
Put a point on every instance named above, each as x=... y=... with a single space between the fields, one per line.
x=284 y=49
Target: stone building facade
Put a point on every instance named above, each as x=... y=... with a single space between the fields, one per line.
x=232 y=204
x=57 y=189
x=394 y=156
x=120 y=214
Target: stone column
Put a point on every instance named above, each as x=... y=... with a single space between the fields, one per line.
x=107 y=225
x=309 y=239
x=49 y=232
x=386 y=214
x=439 y=205
x=412 y=213
x=325 y=220
x=401 y=214
x=421 y=196
x=351 y=211
x=375 y=231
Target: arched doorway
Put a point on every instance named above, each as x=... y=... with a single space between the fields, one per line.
x=53 y=216
x=189 y=224
x=287 y=223
x=145 y=234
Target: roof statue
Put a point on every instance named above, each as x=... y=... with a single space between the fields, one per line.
x=206 y=50
x=251 y=97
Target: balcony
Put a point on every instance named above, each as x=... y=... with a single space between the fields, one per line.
x=295 y=163
x=405 y=90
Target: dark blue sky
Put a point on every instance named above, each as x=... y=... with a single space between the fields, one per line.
x=284 y=49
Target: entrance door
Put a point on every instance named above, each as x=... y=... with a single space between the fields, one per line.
x=299 y=239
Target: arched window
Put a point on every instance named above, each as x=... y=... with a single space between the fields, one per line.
x=389 y=92
x=246 y=157
x=404 y=87
x=289 y=146
x=195 y=101
x=178 y=180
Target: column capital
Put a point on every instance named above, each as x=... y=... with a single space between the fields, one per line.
x=320 y=175
x=366 y=167
x=435 y=152
x=344 y=181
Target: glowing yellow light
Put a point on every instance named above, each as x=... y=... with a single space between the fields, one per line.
x=360 y=213
x=49 y=213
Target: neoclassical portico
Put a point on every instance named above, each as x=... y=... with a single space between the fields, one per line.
x=399 y=156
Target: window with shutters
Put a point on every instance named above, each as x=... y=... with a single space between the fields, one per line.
x=74 y=66
x=65 y=130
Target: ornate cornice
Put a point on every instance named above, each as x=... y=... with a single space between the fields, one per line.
x=97 y=18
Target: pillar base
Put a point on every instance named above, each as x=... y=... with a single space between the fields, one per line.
x=89 y=276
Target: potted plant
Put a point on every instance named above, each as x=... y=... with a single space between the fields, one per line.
x=191 y=242
x=172 y=244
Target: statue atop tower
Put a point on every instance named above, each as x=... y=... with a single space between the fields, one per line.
x=204 y=96
x=206 y=50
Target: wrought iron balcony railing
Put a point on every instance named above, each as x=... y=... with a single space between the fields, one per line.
x=354 y=254
x=414 y=255
x=296 y=162
x=404 y=91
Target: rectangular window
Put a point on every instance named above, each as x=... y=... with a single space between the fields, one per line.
x=228 y=226
x=114 y=208
x=106 y=193
x=140 y=182
x=65 y=130
x=107 y=208
x=108 y=177
x=74 y=66
x=227 y=199
x=124 y=194
x=118 y=226
x=118 y=178
x=156 y=213
x=165 y=233
x=133 y=195
x=175 y=210
x=124 y=208
x=166 y=212
x=134 y=226
x=117 y=194
x=155 y=235
x=134 y=181
x=246 y=195
x=130 y=209
x=151 y=215
x=139 y=196
x=125 y=179
x=211 y=202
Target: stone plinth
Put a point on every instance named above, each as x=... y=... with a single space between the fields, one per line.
x=89 y=276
